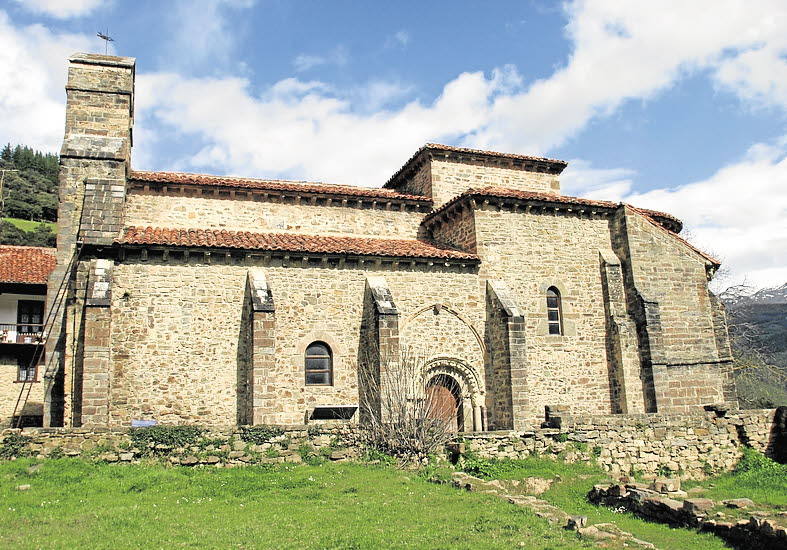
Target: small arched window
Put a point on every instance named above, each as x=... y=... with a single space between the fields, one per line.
x=554 y=311
x=319 y=364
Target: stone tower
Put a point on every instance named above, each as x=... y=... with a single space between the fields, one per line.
x=94 y=162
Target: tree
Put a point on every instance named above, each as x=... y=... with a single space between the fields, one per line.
x=399 y=416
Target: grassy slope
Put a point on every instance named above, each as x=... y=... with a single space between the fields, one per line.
x=768 y=490
x=75 y=504
x=758 y=478
x=569 y=495
x=27 y=225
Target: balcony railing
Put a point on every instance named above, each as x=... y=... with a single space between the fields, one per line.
x=21 y=333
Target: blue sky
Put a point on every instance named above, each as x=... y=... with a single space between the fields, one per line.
x=675 y=105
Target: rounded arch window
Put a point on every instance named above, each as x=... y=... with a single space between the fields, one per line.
x=319 y=364
x=554 y=311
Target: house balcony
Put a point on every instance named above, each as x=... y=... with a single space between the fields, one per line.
x=14 y=333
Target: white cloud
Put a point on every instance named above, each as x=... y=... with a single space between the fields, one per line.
x=580 y=178
x=297 y=129
x=625 y=50
x=204 y=38
x=32 y=77
x=738 y=214
x=399 y=39
x=338 y=56
x=61 y=9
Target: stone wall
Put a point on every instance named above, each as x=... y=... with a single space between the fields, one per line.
x=453 y=177
x=9 y=389
x=691 y=446
x=682 y=334
x=531 y=252
x=274 y=216
x=459 y=233
x=181 y=340
x=222 y=447
x=668 y=272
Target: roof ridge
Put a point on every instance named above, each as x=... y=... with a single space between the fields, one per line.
x=301 y=185
x=506 y=192
x=561 y=164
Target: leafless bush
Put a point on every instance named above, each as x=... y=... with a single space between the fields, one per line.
x=399 y=415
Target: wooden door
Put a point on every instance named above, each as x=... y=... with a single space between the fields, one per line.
x=443 y=405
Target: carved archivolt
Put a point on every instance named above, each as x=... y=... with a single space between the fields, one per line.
x=467 y=377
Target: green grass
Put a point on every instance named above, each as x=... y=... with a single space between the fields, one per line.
x=569 y=494
x=27 y=225
x=76 y=504
x=756 y=477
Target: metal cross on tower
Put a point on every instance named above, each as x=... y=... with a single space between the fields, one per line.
x=106 y=38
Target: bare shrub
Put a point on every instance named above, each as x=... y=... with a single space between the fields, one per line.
x=399 y=415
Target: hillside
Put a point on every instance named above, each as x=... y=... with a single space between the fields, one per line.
x=30 y=196
x=758 y=327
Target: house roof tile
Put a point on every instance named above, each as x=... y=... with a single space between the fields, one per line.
x=26 y=264
x=182 y=178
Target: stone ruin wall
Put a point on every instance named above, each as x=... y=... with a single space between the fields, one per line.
x=242 y=214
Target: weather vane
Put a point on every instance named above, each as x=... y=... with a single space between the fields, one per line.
x=106 y=38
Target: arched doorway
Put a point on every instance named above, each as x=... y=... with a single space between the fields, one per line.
x=464 y=385
x=444 y=398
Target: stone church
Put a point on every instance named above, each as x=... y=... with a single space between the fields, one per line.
x=221 y=300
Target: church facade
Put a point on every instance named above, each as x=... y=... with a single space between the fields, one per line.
x=222 y=300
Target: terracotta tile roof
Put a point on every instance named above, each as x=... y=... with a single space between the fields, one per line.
x=671 y=222
x=181 y=178
x=554 y=166
x=26 y=264
x=451 y=148
x=290 y=242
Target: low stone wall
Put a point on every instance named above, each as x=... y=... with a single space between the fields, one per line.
x=213 y=447
x=691 y=446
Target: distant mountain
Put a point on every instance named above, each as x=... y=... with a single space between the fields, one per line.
x=758 y=328
x=776 y=295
